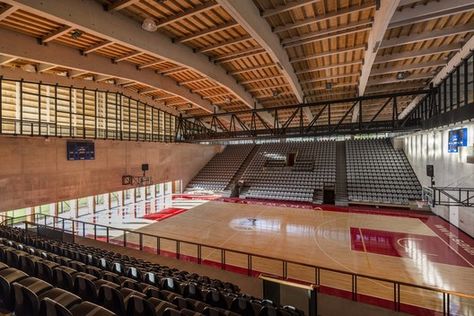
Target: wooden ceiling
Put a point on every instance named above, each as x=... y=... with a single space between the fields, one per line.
x=324 y=42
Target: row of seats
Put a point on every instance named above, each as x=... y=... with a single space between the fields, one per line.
x=123 y=285
x=220 y=170
x=268 y=177
x=378 y=173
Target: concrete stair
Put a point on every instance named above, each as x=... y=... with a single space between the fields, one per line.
x=341 y=175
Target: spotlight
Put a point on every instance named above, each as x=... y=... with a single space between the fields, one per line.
x=149 y=25
x=228 y=100
x=76 y=34
x=275 y=93
x=28 y=68
x=402 y=75
x=328 y=85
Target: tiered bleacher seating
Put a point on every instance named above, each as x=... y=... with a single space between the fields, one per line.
x=378 y=173
x=52 y=278
x=269 y=178
x=220 y=170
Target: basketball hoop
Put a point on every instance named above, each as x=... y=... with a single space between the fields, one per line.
x=142 y=180
x=421 y=203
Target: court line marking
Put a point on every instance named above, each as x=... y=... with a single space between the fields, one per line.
x=362 y=239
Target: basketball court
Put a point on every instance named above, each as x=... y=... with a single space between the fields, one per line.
x=411 y=248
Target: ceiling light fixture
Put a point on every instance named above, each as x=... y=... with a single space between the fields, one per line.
x=276 y=93
x=76 y=34
x=328 y=85
x=28 y=68
x=149 y=25
x=402 y=75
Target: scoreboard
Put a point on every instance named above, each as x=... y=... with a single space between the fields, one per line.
x=80 y=150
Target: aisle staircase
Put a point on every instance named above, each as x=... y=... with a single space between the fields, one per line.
x=230 y=188
x=341 y=175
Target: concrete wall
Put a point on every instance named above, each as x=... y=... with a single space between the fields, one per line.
x=35 y=171
x=451 y=169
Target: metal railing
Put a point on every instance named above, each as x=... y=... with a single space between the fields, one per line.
x=452 y=196
x=43 y=129
x=102 y=233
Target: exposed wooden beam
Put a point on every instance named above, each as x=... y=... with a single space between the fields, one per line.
x=260 y=79
x=173 y=70
x=148 y=90
x=6 y=11
x=431 y=10
x=408 y=2
x=255 y=68
x=326 y=67
x=417 y=53
x=393 y=79
x=406 y=86
x=334 y=86
x=328 y=53
x=207 y=89
x=187 y=13
x=224 y=44
x=465 y=50
x=88 y=16
x=322 y=18
x=99 y=78
x=321 y=35
x=66 y=57
x=287 y=7
x=150 y=64
x=382 y=18
x=97 y=46
x=326 y=78
x=128 y=56
x=209 y=31
x=120 y=4
x=409 y=67
x=425 y=36
x=76 y=73
x=56 y=33
x=6 y=59
x=239 y=54
x=185 y=82
x=269 y=87
x=44 y=67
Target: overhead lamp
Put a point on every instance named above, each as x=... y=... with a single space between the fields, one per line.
x=76 y=34
x=28 y=68
x=149 y=25
x=328 y=85
x=276 y=93
x=228 y=100
x=402 y=75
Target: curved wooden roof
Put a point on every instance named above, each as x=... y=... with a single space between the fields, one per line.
x=322 y=47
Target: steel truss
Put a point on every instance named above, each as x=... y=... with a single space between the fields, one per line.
x=230 y=125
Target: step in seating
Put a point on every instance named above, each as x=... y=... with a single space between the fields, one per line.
x=314 y=166
x=66 y=279
x=378 y=173
x=220 y=170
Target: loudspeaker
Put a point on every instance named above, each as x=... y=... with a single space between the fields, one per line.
x=145 y=167
x=430 y=170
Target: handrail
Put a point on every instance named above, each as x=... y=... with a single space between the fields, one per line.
x=396 y=283
x=463 y=198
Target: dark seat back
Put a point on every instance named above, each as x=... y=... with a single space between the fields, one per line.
x=112 y=299
x=7 y=277
x=85 y=288
x=139 y=306
x=48 y=307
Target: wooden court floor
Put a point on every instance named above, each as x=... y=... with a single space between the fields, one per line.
x=391 y=247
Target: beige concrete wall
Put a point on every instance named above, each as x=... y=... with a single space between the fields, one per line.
x=451 y=169
x=35 y=171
